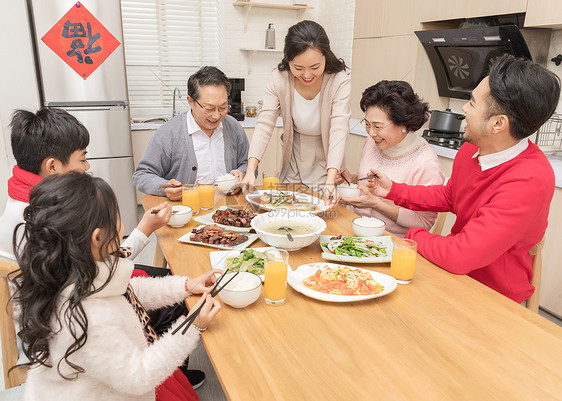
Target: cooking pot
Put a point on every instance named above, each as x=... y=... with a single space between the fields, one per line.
x=445 y=121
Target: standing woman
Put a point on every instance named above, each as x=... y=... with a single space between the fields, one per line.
x=311 y=90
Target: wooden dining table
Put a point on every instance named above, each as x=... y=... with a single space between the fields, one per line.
x=441 y=337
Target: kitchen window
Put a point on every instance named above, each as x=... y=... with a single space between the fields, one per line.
x=165 y=42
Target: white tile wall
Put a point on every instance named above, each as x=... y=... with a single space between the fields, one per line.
x=335 y=16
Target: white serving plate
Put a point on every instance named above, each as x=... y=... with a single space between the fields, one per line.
x=207 y=219
x=218 y=258
x=253 y=198
x=186 y=238
x=296 y=277
x=384 y=239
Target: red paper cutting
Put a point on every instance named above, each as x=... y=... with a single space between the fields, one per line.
x=80 y=40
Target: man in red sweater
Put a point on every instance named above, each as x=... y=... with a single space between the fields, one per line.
x=501 y=185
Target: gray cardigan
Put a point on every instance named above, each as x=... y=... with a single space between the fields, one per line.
x=170 y=154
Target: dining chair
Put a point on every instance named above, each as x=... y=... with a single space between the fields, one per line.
x=536 y=266
x=16 y=376
x=439 y=223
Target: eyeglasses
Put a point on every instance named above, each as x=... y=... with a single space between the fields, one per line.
x=210 y=110
x=368 y=126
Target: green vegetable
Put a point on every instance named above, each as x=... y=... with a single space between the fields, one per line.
x=248 y=260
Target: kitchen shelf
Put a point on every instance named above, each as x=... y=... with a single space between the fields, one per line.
x=252 y=52
x=249 y=4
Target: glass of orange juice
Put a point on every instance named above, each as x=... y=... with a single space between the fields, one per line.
x=206 y=195
x=270 y=180
x=190 y=197
x=276 y=267
x=403 y=263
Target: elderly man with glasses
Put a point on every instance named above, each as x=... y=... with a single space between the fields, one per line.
x=196 y=146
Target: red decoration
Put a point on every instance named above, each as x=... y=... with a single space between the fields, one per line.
x=80 y=40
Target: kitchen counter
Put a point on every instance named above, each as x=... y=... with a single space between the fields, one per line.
x=248 y=122
x=357 y=129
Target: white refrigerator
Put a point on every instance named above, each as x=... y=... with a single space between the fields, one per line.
x=100 y=101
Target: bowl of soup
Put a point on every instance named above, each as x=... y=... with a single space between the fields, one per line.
x=304 y=227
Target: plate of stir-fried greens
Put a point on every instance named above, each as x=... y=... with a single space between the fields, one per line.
x=356 y=249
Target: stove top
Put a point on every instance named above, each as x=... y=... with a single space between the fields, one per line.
x=451 y=141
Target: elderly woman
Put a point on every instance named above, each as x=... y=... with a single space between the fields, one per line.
x=393 y=112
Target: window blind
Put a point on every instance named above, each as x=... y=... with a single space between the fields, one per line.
x=166 y=41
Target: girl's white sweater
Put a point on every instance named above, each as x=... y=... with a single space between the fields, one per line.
x=119 y=364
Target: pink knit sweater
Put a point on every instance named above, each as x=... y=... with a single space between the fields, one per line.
x=412 y=162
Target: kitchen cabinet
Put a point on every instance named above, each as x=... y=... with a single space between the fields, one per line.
x=375 y=59
x=544 y=14
x=401 y=17
x=368 y=19
x=440 y=10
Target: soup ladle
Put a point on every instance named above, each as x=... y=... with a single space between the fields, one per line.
x=289 y=236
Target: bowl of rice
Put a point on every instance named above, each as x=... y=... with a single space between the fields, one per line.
x=242 y=291
x=226 y=183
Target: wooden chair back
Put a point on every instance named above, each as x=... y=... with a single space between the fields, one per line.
x=16 y=376
x=439 y=223
x=533 y=302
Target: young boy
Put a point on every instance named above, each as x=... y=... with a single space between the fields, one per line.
x=48 y=142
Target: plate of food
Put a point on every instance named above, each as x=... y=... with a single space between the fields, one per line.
x=331 y=282
x=287 y=200
x=218 y=237
x=356 y=249
x=251 y=260
x=231 y=219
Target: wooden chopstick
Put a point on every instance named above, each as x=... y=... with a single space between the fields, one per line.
x=346 y=180
x=214 y=291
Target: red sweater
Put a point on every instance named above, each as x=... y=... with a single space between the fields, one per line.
x=501 y=214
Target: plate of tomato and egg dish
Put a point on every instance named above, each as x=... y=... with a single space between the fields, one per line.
x=339 y=283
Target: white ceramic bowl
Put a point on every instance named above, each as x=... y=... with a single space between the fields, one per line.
x=226 y=185
x=349 y=191
x=244 y=290
x=181 y=217
x=368 y=226
x=283 y=217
